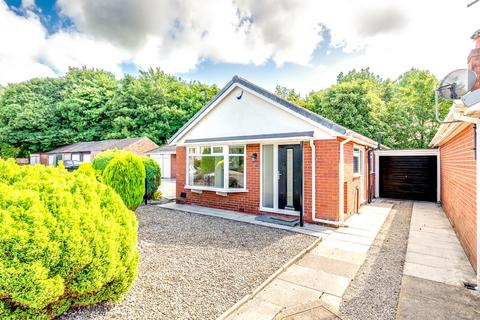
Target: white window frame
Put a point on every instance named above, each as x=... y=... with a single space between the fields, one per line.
x=226 y=163
x=357 y=153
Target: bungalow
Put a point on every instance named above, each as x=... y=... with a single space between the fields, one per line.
x=86 y=151
x=250 y=151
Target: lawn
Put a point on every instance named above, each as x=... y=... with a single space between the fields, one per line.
x=196 y=267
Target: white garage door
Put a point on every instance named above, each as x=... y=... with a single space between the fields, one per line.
x=164 y=161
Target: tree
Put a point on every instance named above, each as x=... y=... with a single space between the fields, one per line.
x=28 y=118
x=85 y=95
x=290 y=95
x=410 y=115
x=155 y=105
x=355 y=104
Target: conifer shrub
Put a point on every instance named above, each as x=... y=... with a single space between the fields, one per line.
x=65 y=240
x=102 y=159
x=153 y=175
x=125 y=173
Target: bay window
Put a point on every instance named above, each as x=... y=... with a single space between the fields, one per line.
x=216 y=167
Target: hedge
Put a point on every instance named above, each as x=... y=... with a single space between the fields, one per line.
x=153 y=175
x=65 y=240
x=126 y=175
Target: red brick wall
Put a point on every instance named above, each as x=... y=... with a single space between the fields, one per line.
x=327 y=153
x=458 y=188
x=241 y=201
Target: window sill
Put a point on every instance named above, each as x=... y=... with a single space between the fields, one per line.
x=357 y=175
x=222 y=190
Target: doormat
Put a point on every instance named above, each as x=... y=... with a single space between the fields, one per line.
x=282 y=220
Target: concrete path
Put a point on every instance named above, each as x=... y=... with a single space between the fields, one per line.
x=309 y=229
x=312 y=286
x=435 y=268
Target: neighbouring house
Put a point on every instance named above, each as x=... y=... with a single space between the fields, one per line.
x=250 y=151
x=459 y=167
x=166 y=157
x=86 y=151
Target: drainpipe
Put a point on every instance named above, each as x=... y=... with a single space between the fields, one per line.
x=341 y=175
x=314 y=218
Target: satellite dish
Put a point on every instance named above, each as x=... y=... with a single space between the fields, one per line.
x=471 y=98
x=456 y=84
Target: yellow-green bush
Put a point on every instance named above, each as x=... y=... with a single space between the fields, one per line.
x=101 y=160
x=153 y=174
x=125 y=173
x=65 y=240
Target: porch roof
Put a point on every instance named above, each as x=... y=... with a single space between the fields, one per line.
x=252 y=138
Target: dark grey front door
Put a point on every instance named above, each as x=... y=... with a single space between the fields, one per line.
x=290 y=179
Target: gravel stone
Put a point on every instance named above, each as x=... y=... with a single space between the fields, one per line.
x=196 y=267
x=374 y=292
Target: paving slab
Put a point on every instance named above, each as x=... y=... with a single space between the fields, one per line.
x=257 y=309
x=335 y=266
x=288 y=294
x=425 y=299
x=339 y=254
x=316 y=279
x=452 y=276
x=320 y=276
x=438 y=262
x=312 y=311
x=346 y=245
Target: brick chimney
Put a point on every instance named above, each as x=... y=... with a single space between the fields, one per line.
x=474 y=59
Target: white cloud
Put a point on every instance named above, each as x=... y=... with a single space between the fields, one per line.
x=387 y=36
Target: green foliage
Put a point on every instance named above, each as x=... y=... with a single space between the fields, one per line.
x=88 y=104
x=403 y=110
x=65 y=240
x=153 y=175
x=410 y=116
x=289 y=95
x=157 y=195
x=102 y=159
x=355 y=105
x=126 y=175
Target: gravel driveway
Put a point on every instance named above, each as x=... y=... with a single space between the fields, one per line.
x=196 y=267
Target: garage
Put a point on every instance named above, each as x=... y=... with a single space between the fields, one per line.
x=166 y=158
x=408 y=174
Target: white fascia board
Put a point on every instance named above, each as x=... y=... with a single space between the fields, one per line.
x=408 y=152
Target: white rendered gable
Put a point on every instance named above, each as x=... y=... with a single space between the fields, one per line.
x=249 y=115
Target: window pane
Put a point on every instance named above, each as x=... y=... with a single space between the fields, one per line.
x=206 y=171
x=356 y=164
x=217 y=149
x=289 y=177
x=205 y=150
x=192 y=150
x=267 y=176
x=236 y=149
x=236 y=170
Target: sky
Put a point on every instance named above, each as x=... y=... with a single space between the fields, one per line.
x=300 y=44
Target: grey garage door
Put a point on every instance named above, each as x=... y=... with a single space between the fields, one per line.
x=408 y=177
